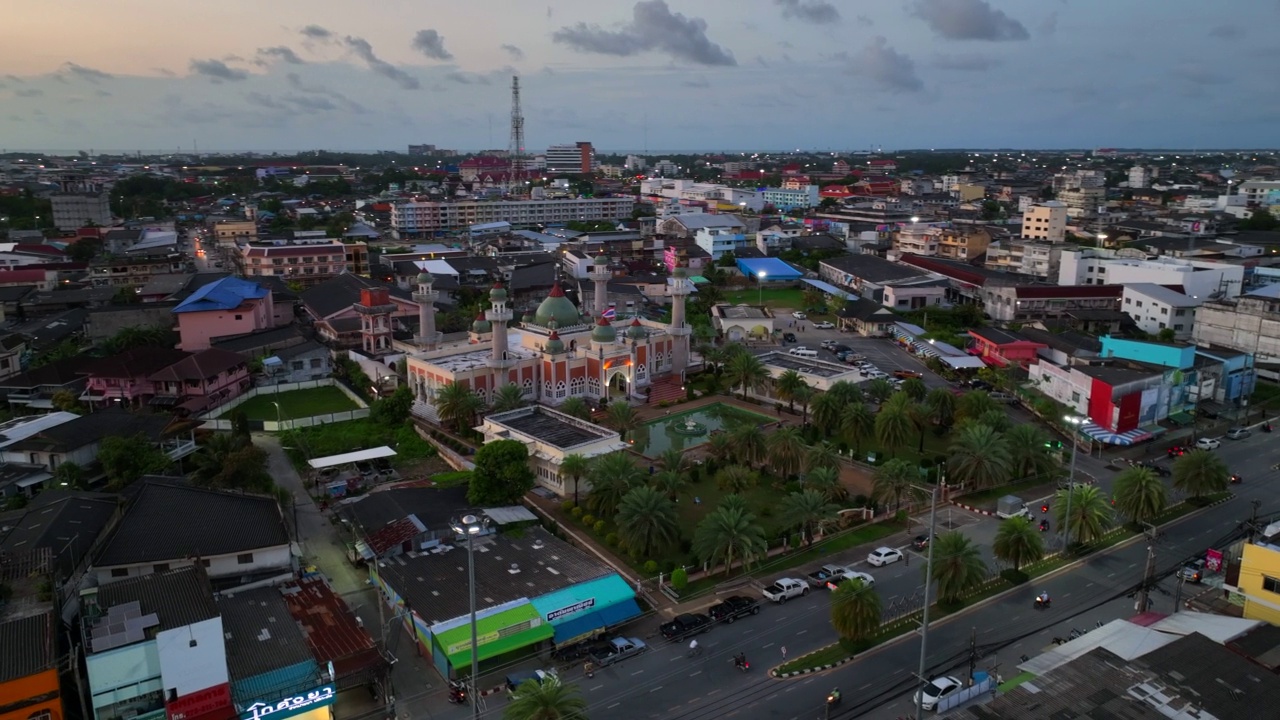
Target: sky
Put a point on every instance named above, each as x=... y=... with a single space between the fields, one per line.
x=654 y=75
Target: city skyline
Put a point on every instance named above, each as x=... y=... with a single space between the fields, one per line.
x=656 y=74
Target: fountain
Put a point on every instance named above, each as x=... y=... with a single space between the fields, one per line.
x=689 y=428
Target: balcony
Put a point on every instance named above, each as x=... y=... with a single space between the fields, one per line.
x=176 y=448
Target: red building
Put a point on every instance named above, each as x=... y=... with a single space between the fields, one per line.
x=1001 y=348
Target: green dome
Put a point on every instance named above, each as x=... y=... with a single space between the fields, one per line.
x=601 y=258
x=424 y=278
x=529 y=318
x=555 y=345
x=604 y=332
x=636 y=331
x=481 y=326
x=557 y=308
x=498 y=293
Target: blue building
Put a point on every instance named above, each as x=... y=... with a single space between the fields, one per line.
x=1217 y=378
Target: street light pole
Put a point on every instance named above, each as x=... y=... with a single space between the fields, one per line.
x=1073 y=421
x=928 y=577
x=471 y=526
x=760 y=284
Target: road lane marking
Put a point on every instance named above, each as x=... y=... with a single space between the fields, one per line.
x=1111 y=574
x=596 y=688
x=769 y=645
x=713 y=692
x=802 y=632
x=613 y=706
x=656 y=689
x=636 y=673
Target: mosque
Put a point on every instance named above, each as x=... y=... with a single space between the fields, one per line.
x=554 y=353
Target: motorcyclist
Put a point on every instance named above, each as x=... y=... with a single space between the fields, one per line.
x=834 y=696
x=1043 y=598
x=693 y=647
x=740 y=660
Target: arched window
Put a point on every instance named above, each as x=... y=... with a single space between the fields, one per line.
x=560 y=389
x=576 y=384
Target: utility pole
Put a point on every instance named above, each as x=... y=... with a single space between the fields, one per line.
x=973 y=654
x=928 y=577
x=1148 y=575
x=1251 y=525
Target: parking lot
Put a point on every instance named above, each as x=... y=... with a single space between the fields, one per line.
x=884 y=353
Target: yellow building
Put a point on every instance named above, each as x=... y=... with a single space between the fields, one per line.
x=1260 y=578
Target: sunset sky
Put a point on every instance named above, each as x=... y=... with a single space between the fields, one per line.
x=716 y=75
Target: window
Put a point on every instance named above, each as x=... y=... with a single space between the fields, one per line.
x=316 y=363
x=1139 y=303
x=239 y=317
x=245 y=559
x=119 y=572
x=160 y=567
x=1164 y=311
x=204 y=562
x=296 y=365
x=1179 y=313
x=1270 y=584
x=1075 y=397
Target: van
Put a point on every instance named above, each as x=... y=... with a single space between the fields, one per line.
x=803 y=352
x=1003 y=398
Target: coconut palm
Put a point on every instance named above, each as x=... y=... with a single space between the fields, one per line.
x=612 y=476
x=894 y=425
x=826 y=412
x=879 y=390
x=1199 y=473
x=920 y=417
x=786 y=385
x=727 y=535
x=674 y=460
x=457 y=405
x=804 y=396
x=736 y=478
x=575 y=467
x=209 y=461
x=957 y=566
x=1091 y=514
x=942 y=406
x=720 y=446
x=508 y=397
x=894 y=482
x=809 y=511
x=786 y=451
x=978 y=457
x=821 y=455
x=915 y=389
x=1018 y=542
x=1029 y=455
x=646 y=520
x=735 y=502
x=997 y=420
x=746 y=371
x=671 y=483
x=1139 y=494
x=825 y=480
x=622 y=417
x=577 y=407
x=749 y=445
x=856 y=424
x=856 y=611
x=547 y=700
x=844 y=391
x=973 y=404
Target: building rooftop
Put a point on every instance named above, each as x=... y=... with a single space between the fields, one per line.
x=29 y=645
x=742 y=312
x=1162 y=294
x=698 y=221
x=215 y=523
x=68 y=522
x=806 y=366
x=1069 y=342
x=870 y=268
x=176 y=598
x=134 y=363
x=261 y=343
x=341 y=292
x=331 y=628
x=92 y=428
x=551 y=427
x=434 y=507
x=203 y=365
x=261 y=635
x=1000 y=337
x=1113 y=375
x=1055 y=292
x=20 y=428
x=228 y=293
x=480 y=357
x=507 y=568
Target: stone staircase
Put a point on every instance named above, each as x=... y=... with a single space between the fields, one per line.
x=425 y=411
x=666 y=389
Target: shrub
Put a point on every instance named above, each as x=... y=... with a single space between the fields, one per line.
x=611 y=539
x=766 y=511
x=900 y=516
x=588 y=519
x=650 y=567
x=1014 y=577
x=576 y=511
x=664 y=403
x=567 y=506
x=679 y=578
x=599 y=526
x=795 y=541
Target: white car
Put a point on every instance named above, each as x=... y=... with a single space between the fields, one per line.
x=941 y=687
x=883 y=556
x=824 y=325
x=799 y=315
x=1208 y=444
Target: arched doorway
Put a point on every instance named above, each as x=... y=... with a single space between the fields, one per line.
x=734 y=334
x=618 y=385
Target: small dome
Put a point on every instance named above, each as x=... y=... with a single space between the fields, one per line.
x=528 y=318
x=554 y=345
x=481 y=326
x=601 y=259
x=424 y=278
x=498 y=293
x=556 y=307
x=636 y=331
x=604 y=332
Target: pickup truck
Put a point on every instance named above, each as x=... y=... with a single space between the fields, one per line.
x=617 y=650
x=682 y=626
x=734 y=607
x=826 y=572
x=786 y=588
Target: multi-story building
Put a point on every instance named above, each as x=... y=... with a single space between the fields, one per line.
x=1261 y=192
x=551 y=436
x=29 y=624
x=1259 y=580
x=1024 y=303
x=1046 y=221
x=133 y=271
x=229 y=232
x=1082 y=201
x=718 y=241
x=1200 y=279
x=79 y=204
x=1155 y=307
x=1140 y=177
x=579 y=157
x=1249 y=323
x=308 y=264
x=1036 y=258
x=952 y=243
x=424 y=219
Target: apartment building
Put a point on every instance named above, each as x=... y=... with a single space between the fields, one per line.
x=1082 y=201
x=1036 y=258
x=1140 y=176
x=1262 y=192
x=133 y=271
x=307 y=264
x=952 y=243
x=1155 y=307
x=78 y=204
x=229 y=232
x=1100 y=266
x=424 y=219
x=1249 y=323
x=1046 y=221
x=579 y=157
x=786 y=199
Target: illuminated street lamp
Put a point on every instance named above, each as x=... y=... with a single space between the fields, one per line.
x=760 y=281
x=471 y=526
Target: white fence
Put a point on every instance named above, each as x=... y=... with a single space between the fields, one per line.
x=212 y=419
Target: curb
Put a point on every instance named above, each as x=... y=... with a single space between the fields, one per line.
x=973 y=509
x=773 y=672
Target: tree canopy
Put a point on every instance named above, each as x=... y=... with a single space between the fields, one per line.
x=502 y=475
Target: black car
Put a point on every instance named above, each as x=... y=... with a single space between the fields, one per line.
x=788 y=337
x=734 y=607
x=685 y=625
x=1160 y=470
x=921 y=542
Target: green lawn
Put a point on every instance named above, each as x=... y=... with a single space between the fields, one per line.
x=776 y=298
x=298 y=404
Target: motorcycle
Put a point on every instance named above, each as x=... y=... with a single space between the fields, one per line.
x=1266 y=427
x=833 y=699
x=1043 y=603
x=1044 y=526
x=457 y=693
x=741 y=663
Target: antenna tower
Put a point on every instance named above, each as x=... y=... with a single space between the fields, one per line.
x=516 y=150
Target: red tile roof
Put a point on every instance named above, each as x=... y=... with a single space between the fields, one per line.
x=21 y=277
x=951 y=270
x=38 y=250
x=203 y=365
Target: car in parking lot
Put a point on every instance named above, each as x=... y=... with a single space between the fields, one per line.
x=788 y=337
x=907 y=374
x=827 y=344
x=824 y=325
x=937 y=689
x=1208 y=444
x=883 y=556
x=875 y=374
x=1238 y=433
x=799 y=315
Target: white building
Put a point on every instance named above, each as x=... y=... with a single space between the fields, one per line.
x=78 y=205
x=1139 y=176
x=578 y=158
x=1046 y=221
x=421 y=219
x=1062 y=384
x=1155 y=308
x=550 y=436
x=635 y=163
x=718 y=241
x=1082 y=200
x=1202 y=280
x=1259 y=191
x=1249 y=323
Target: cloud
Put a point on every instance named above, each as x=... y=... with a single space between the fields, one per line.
x=431 y=44
x=889 y=69
x=279 y=52
x=1050 y=25
x=296 y=82
x=216 y=70
x=865 y=21
x=1200 y=76
x=315 y=32
x=967 y=20
x=84 y=73
x=968 y=62
x=291 y=103
x=818 y=12
x=698 y=82
x=165 y=72
x=29 y=92
x=1227 y=32
x=652 y=27
x=466 y=78
x=364 y=51
x=515 y=52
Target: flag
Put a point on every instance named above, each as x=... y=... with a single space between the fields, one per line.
x=610 y=313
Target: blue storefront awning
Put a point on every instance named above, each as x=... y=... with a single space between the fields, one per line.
x=1104 y=435
x=589 y=623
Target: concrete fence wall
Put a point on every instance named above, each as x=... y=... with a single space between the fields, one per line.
x=213 y=420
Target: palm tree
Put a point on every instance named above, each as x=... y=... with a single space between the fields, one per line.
x=671 y=483
x=1018 y=542
x=508 y=397
x=749 y=445
x=673 y=460
x=973 y=404
x=809 y=511
x=957 y=566
x=1200 y=473
x=746 y=371
x=879 y=390
x=844 y=391
x=457 y=405
x=821 y=455
x=826 y=412
x=612 y=476
x=208 y=463
x=893 y=423
x=804 y=396
x=786 y=385
x=920 y=417
x=69 y=474
x=942 y=406
x=825 y=480
x=546 y=700
x=894 y=482
x=735 y=479
x=979 y=457
x=1090 y=512
x=786 y=451
x=575 y=467
x=1139 y=495
x=577 y=407
x=997 y=420
x=915 y=389
x=622 y=417
x=856 y=611
x=729 y=534
x=856 y=424
x=646 y=520
x=721 y=446
x=1028 y=452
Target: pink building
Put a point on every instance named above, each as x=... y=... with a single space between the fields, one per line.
x=201 y=381
x=125 y=379
x=225 y=308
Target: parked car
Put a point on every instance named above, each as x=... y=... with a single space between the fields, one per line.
x=799 y=315
x=820 y=577
x=617 y=650
x=884 y=556
x=939 y=688
x=921 y=542
x=1156 y=468
x=1208 y=444
x=1005 y=398
x=786 y=588
x=734 y=607
x=516 y=679
x=839 y=348
x=684 y=625
x=828 y=345
x=979 y=385
x=788 y=337
x=835 y=581
x=907 y=374
x=1238 y=433
x=824 y=325
x=1193 y=572
x=1176 y=451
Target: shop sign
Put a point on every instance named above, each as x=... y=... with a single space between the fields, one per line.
x=576 y=607
x=290 y=705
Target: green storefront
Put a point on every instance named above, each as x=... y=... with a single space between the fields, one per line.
x=518 y=626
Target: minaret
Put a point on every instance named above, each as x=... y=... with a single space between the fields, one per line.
x=600 y=277
x=426 y=298
x=498 y=317
x=679 y=330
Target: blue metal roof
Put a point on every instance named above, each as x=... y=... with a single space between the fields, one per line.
x=830 y=289
x=225 y=294
x=773 y=268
